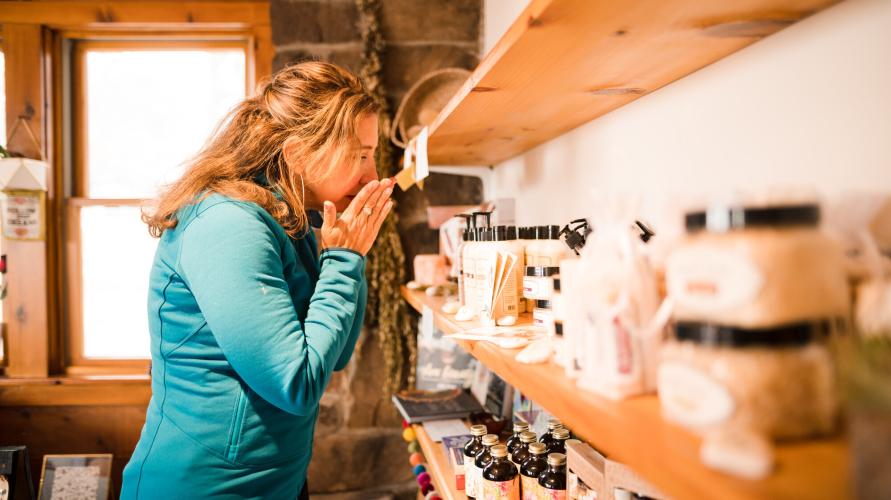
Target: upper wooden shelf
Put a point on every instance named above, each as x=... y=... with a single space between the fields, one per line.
x=633 y=432
x=565 y=62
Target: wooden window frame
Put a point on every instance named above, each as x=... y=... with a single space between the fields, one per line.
x=32 y=36
x=77 y=193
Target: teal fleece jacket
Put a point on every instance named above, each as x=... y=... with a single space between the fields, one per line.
x=247 y=326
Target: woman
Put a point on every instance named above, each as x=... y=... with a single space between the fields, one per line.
x=248 y=319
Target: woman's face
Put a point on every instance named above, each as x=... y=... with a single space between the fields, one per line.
x=346 y=181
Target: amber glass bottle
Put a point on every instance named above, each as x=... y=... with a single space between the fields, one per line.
x=482 y=459
x=500 y=478
x=553 y=424
x=552 y=482
x=474 y=446
x=514 y=440
x=532 y=467
x=521 y=452
x=558 y=441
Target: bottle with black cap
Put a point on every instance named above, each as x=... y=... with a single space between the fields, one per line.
x=505 y=242
x=459 y=255
x=526 y=236
x=547 y=250
x=501 y=479
x=521 y=451
x=482 y=460
x=553 y=480
x=471 y=449
x=475 y=266
x=534 y=465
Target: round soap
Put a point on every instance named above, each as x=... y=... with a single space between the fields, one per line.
x=415 y=459
x=426 y=488
x=419 y=469
x=405 y=424
x=432 y=496
x=414 y=447
x=408 y=434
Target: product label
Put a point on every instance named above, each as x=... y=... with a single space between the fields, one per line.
x=535 y=287
x=691 y=397
x=501 y=490
x=542 y=317
x=470 y=471
x=546 y=494
x=572 y=484
x=624 y=351
x=710 y=280
x=530 y=487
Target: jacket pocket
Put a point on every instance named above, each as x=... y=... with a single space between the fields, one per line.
x=235 y=427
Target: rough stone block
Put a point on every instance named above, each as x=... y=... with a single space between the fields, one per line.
x=352 y=460
x=370 y=407
x=308 y=21
x=350 y=59
x=431 y=20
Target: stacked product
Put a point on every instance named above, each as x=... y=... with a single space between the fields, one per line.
x=757 y=291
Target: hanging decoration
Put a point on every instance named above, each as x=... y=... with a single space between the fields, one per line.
x=387 y=313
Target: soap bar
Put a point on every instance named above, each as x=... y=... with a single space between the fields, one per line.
x=465 y=313
x=430 y=269
x=738 y=452
x=451 y=307
x=536 y=352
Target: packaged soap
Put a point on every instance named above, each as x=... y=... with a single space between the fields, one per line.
x=757 y=292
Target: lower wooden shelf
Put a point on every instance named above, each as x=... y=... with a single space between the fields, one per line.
x=438 y=466
x=633 y=432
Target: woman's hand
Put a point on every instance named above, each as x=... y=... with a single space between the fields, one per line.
x=358 y=225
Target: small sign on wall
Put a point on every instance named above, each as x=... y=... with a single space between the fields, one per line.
x=23 y=215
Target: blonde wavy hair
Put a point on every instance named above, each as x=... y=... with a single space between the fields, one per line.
x=314 y=107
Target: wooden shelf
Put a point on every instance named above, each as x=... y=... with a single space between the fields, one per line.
x=634 y=433
x=565 y=62
x=438 y=466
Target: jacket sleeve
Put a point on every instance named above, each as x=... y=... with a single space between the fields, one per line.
x=350 y=346
x=231 y=260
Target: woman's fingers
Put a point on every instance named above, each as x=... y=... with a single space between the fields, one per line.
x=329 y=216
x=377 y=199
x=381 y=217
x=358 y=203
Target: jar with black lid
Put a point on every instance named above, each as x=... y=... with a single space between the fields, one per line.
x=756 y=292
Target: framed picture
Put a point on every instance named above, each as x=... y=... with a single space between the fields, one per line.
x=75 y=477
x=15 y=473
x=23 y=215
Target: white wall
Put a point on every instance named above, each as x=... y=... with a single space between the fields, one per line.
x=809 y=107
x=497 y=17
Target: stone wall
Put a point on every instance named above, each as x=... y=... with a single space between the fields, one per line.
x=359 y=452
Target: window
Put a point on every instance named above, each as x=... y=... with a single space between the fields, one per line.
x=141 y=109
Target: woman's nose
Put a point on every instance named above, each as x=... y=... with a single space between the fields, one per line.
x=369 y=173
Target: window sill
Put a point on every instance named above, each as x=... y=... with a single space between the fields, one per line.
x=93 y=390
